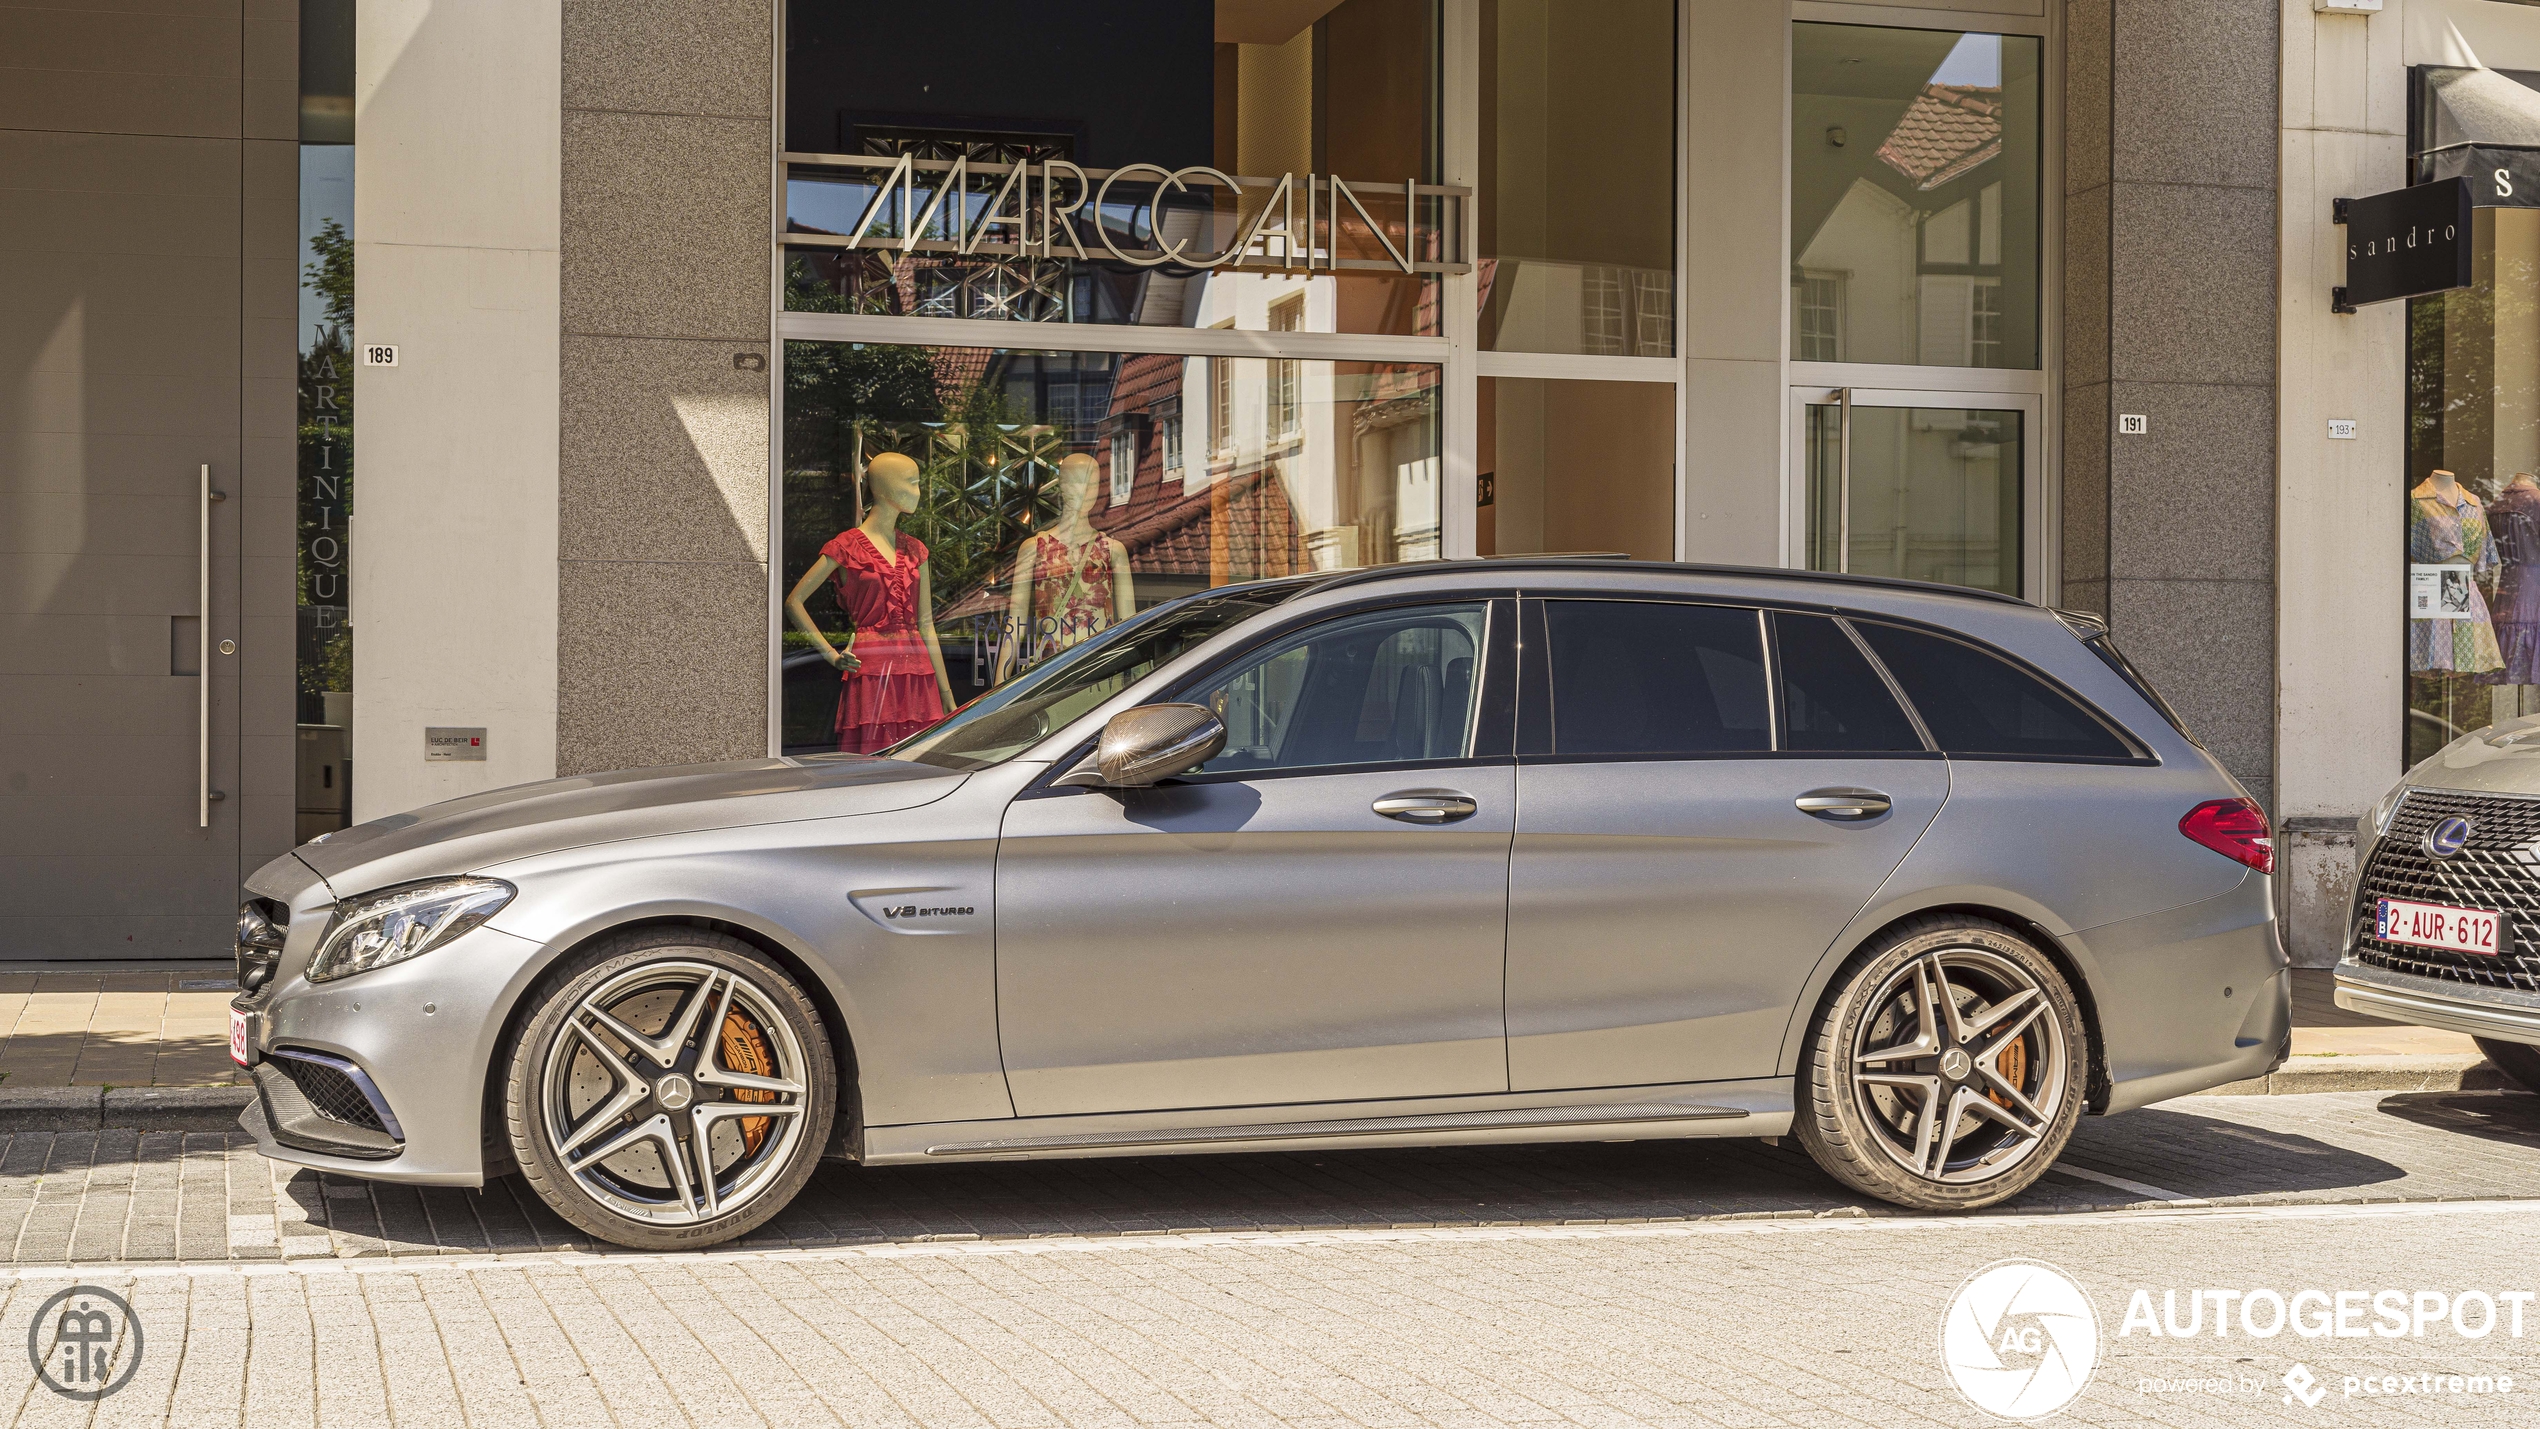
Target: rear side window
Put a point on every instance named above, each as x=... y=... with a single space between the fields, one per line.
x=1975 y=702
x=1647 y=678
x=1832 y=697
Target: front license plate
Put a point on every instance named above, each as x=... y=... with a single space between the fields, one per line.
x=2426 y=925
x=238 y=1036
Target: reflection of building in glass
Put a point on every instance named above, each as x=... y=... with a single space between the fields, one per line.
x=1913 y=241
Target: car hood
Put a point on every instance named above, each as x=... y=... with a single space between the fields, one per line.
x=2501 y=759
x=465 y=835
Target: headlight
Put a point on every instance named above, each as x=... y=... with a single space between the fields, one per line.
x=2389 y=805
x=395 y=924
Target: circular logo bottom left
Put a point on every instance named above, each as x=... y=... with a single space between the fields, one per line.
x=85 y=1343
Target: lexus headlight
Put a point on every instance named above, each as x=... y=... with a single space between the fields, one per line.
x=2388 y=806
x=395 y=924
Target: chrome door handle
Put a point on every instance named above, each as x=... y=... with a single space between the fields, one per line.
x=1426 y=806
x=204 y=793
x=1844 y=803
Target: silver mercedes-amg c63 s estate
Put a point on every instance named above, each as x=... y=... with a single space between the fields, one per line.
x=1461 y=852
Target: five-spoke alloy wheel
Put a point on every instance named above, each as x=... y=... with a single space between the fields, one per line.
x=673 y=1088
x=1946 y=1071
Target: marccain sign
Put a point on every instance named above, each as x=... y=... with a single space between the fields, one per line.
x=1141 y=214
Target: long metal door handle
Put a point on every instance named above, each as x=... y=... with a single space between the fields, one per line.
x=1844 y=803
x=1426 y=806
x=203 y=795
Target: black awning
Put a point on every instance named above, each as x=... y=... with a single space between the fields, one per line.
x=2499 y=175
x=2482 y=125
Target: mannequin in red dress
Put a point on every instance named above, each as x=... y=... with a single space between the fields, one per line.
x=893 y=666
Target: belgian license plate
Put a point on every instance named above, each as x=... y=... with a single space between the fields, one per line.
x=2427 y=925
x=238 y=1036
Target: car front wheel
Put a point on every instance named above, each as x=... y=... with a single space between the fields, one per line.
x=672 y=1088
x=2517 y=1060
x=1946 y=1071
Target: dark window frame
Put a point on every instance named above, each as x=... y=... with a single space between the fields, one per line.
x=1887 y=681
x=1537 y=735
x=2143 y=756
x=1533 y=742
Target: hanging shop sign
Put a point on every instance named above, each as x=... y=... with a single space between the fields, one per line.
x=1144 y=215
x=2404 y=243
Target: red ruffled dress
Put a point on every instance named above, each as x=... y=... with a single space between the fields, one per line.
x=893 y=694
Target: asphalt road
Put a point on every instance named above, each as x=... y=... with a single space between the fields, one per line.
x=1664 y=1283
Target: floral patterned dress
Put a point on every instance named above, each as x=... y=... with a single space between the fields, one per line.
x=893 y=694
x=2454 y=533
x=1071 y=592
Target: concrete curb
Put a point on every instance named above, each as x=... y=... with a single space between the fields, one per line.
x=122 y=1108
x=2425 y=1073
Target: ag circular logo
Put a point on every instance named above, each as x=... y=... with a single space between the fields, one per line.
x=85 y=1343
x=2020 y=1339
x=2448 y=837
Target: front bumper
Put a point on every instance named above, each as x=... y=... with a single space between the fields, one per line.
x=424 y=1032
x=2498 y=1013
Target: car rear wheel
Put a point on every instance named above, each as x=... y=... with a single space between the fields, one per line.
x=1946 y=1071
x=2518 y=1060
x=672 y=1088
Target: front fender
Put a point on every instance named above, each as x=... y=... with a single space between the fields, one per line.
x=917 y=995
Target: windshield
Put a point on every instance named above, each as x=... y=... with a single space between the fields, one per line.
x=1021 y=712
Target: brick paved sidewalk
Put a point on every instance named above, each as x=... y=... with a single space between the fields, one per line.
x=121 y=1029
x=1814 y=1325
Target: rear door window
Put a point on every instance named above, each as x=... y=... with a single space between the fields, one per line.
x=1976 y=702
x=1832 y=698
x=1649 y=678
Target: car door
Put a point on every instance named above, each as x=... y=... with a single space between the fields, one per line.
x=1318 y=914
x=1707 y=794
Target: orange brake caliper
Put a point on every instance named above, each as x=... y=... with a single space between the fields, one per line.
x=745 y=1050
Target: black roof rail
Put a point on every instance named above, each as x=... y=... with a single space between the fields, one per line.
x=1501 y=564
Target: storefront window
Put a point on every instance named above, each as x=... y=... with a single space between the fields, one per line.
x=1054 y=494
x=1577 y=210
x=1154 y=162
x=1914 y=196
x=1577 y=466
x=2473 y=527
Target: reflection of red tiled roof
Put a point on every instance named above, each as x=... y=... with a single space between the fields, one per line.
x=1947 y=130
x=1240 y=528
x=957 y=370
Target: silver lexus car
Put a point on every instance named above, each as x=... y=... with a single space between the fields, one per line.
x=1453 y=853
x=2445 y=927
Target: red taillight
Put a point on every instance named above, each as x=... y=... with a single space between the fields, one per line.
x=2234 y=828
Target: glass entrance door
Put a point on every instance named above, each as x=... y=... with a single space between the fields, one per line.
x=1926 y=486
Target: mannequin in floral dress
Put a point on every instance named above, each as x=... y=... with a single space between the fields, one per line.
x=1070 y=581
x=893 y=666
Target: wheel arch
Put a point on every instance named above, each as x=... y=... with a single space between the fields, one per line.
x=1869 y=932
x=846 y=1136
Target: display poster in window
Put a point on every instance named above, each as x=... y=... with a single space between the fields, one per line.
x=2439 y=592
